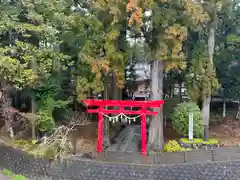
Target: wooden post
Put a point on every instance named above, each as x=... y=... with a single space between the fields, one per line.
x=224 y=108
x=144 y=132
x=100 y=129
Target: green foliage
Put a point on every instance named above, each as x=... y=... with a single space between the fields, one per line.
x=24 y=145
x=174 y=146
x=12 y=175
x=49 y=88
x=45 y=45
x=180 y=119
x=49 y=104
x=18 y=177
x=171 y=20
x=45 y=150
x=21 y=142
x=30 y=52
x=233 y=38
x=49 y=97
x=45 y=123
x=199 y=141
x=201 y=77
x=98 y=38
x=28 y=38
x=51 y=151
x=227 y=56
x=169 y=105
x=7 y=172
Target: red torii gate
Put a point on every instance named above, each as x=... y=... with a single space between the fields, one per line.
x=143 y=105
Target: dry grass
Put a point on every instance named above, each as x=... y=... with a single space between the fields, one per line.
x=228 y=133
x=86 y=138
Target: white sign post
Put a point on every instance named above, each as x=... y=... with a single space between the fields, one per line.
x=190 y=126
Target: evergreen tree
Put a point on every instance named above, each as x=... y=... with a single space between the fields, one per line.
x=29 y=40
x=227 y=53
x=165 y=31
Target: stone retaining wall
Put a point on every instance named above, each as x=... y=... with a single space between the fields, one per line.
x=78 y=169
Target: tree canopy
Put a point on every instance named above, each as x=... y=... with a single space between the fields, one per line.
x=63 y=51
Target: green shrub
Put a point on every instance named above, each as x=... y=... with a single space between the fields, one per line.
x=13 y=176
x=24 y=144
x=173 y=146
x=200 y=141
x=18 y=177
x=45 y=123
x=7 y=172
x=180 y=119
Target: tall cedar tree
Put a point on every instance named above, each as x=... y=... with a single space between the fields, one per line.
x=165 y=31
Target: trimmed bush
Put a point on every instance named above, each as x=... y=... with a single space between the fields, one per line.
x=172 y=146
x=180 y=119
x=199 y=141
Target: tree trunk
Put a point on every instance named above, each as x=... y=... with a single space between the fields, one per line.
x=8 y=116
x=156 y=140
x=180 y=92
x=114 y=90
x=33 y=110
x=106 y=135
x=207 y=98
x=206 y=114
x=33 y=102
x=33 y=130
x=120 y=93
x=171 y=84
